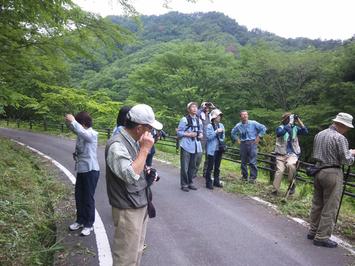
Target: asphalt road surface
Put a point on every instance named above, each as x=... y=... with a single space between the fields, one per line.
x=201 y=227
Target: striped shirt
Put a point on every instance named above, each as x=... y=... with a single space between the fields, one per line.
x=331 y=148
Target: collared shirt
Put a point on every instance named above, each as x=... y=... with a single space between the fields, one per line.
x=191 y=145
x=85 y=148
x=332 y=148
x=290 y=132
x=248 y=131
x=119 y=160
x=212 y=138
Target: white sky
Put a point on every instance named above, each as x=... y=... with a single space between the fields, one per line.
x=324 y=19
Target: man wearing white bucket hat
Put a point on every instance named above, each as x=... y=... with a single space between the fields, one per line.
x=331 y=151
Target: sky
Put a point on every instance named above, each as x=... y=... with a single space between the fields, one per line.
x=323 y=19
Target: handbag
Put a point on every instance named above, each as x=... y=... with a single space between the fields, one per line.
x=222 y=147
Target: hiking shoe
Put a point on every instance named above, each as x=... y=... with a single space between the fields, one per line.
x=274 y=193
x=86 y=231
x=292 y=189
x=310 y=236
x=185 y=189
x=192 y=187
x=252 y=181
x=75 y=226
x=325 y=243
x=209 y=186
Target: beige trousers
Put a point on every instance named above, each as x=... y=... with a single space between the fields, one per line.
x=130 y=229
x=284 y=162
x=328 y=185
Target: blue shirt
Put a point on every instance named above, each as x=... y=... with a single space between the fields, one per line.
x=212 y=138
x=282 y=130
x=191 y=145
x=248 y=131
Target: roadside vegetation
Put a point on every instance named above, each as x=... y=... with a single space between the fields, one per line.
x=28 y=192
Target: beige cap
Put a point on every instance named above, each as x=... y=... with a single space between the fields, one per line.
x=143 y=114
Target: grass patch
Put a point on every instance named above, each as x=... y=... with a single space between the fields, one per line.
x=28 y=191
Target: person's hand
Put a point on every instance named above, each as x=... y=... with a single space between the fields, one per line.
x=69 y=118
x=200 y=136
x=257 y=140
x=219 y=130
x=146 y=141
x=352 y=152
x=191 y=134
x=238 y=141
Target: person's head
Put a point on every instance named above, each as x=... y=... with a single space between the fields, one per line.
x=343 y=122
x=122 y=115
x=216 y=116
x=243 y=116
x=192 y=108
x=84 y=119
x=141 y=119
x=285 y=118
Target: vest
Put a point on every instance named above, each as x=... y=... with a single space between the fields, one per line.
x=121 y=194
x=281 y=142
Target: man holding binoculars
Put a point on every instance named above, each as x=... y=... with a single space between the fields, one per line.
x=287 y=148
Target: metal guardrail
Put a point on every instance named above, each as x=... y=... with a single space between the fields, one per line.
x=266 y=161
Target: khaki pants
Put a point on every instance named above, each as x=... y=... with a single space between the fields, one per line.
x=327 y=192
x=284 y=162
x=130 y=228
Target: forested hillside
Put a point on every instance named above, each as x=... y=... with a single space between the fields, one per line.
x=169 y=60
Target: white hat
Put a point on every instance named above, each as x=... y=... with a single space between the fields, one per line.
x=215 y=113
x=190 y=104
x=143 y=114
x=345 y=119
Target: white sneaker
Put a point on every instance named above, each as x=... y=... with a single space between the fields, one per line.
x=86 y=231
x=75 y=226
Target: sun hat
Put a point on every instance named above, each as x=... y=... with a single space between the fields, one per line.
x=190 y=104
x=345 y=119
x=143 y=114
x=215 y=113
x=285 y=116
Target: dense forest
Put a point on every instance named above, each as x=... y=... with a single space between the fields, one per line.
x=75 y=61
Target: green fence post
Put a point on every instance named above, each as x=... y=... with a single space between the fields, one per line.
x=18 y=123
x=45 y=125
x=108 y=133
x=30 y=124
x=62 y=127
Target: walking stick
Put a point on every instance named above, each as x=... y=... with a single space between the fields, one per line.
x=293 y=182
x=342 y=194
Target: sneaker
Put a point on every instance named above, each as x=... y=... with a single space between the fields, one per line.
x=185 y=189
x=325 y=243
x=192 y=187
x=252 y=181
x=86 y=231
x=310 y=236
x=75 y=226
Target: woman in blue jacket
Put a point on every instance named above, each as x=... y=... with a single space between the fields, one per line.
x=215 y=136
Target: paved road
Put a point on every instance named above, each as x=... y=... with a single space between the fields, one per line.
x=202 y=227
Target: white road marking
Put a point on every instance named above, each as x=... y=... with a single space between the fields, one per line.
x=102 y=243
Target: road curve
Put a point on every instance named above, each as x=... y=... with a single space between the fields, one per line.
x=201 y=227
